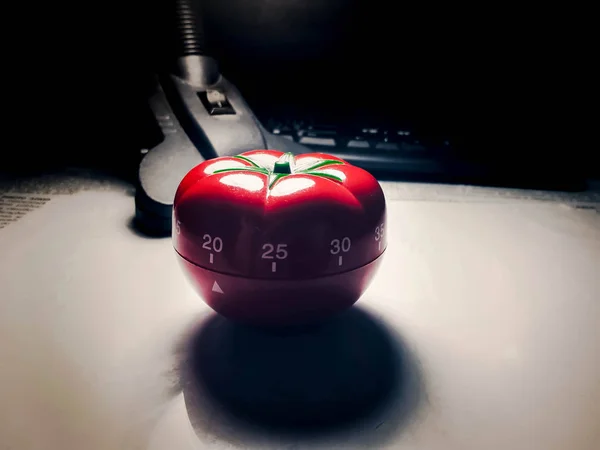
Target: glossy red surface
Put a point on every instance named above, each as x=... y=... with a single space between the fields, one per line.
x=266 y=215
x=279 y=302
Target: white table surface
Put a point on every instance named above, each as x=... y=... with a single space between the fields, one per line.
x=484 y=321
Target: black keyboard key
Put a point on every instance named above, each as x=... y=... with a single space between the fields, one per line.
x=387 y=141
x=402 y=133
x=317 y=133
x=284 y=131
x=313 y=140
x=323 y=128
x=406 y=141
x=358 y=142
x=298 y=124
x=386 y=145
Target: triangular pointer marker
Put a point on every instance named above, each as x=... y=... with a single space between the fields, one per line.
x=217 y=288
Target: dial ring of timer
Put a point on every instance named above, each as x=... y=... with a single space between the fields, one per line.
x=271 y=302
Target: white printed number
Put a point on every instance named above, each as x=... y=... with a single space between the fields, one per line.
x=280 y=251
x=340 y=246
x=212 y=244
x=178 y=227
x=379 y=232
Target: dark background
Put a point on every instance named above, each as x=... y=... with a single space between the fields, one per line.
x=502 y=80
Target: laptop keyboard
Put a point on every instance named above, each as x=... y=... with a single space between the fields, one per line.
x=373 y=147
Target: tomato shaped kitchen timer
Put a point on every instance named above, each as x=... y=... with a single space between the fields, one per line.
x=270 y=238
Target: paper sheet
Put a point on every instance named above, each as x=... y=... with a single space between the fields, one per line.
x=499 y=301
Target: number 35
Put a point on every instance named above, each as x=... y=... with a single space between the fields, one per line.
x=379 y=232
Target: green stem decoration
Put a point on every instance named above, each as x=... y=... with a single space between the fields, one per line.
x=285 y=165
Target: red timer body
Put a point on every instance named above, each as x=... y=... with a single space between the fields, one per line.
x=275 y=239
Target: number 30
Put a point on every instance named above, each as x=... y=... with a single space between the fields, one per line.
x=343 y=245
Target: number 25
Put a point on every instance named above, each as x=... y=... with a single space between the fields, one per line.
x=281 y=252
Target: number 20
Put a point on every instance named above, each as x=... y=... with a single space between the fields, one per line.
x=215 y=245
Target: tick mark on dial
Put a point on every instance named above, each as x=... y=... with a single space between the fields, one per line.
x=379 y=245
x=339 y=260
x=273 y=267
x=211 y=258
